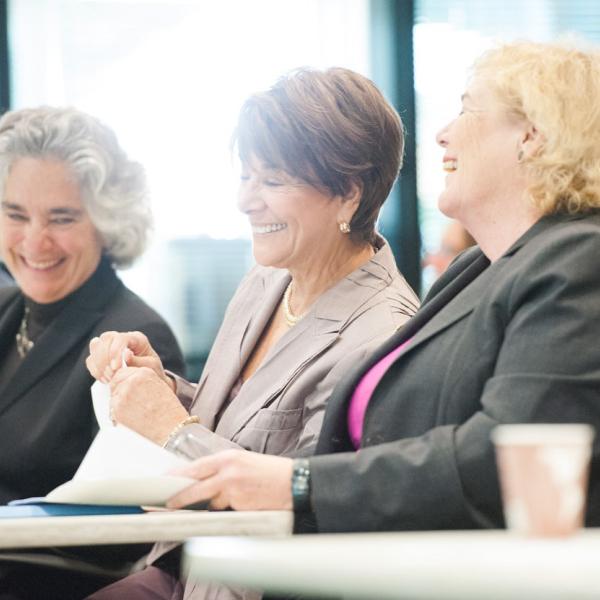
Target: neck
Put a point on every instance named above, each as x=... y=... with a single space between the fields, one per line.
x=309 y=284
x=497 y=230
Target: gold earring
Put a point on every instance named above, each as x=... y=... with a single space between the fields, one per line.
x=345 y=227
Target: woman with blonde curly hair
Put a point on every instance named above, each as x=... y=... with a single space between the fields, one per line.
x=509 y=334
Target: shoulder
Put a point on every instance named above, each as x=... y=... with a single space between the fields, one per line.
x=8 y=294
x=257 y=283
x=126 y=311
x=378 y=293
x=564 y=249
x=262 y=277
x=464 y=260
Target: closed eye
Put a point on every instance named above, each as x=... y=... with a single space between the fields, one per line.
x=62 y=220
x=16 y=216
x=273 y=183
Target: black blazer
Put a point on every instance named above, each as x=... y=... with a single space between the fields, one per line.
x=515 y=341
x=46 y=415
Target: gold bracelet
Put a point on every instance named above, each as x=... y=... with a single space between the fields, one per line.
x=187 y=421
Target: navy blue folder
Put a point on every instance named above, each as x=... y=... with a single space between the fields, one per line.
x=38 y=507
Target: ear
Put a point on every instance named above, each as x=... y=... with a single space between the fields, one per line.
x=532 y=141
x=350 y=203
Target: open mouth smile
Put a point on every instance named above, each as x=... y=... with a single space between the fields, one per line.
x=269 y=228
x=41 y=265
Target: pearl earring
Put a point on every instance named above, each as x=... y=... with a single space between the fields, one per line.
x=345 y=227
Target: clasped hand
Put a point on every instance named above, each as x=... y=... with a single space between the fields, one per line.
x=142 y=395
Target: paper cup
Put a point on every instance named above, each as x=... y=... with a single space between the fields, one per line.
x=543 y=472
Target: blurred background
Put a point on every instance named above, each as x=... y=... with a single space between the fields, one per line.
x=169 y=76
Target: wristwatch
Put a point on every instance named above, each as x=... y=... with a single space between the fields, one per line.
x=301 y=485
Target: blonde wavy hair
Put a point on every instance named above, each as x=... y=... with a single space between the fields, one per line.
x=557 y=89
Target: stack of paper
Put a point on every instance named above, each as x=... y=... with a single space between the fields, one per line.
x=121 y=467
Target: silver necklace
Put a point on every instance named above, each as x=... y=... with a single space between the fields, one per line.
x=290 y=318
x=24 y=344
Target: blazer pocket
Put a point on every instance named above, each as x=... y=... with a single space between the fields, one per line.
x=272 y=419
x=272 y=431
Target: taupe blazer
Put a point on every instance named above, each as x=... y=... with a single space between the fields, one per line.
x=279 y=410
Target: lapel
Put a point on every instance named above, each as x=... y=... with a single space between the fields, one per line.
x=470 y=267
x=72 y=325
x=286 y=359
x=11 y=312
x=235 y=344
x=334 y=433
x=310 y=338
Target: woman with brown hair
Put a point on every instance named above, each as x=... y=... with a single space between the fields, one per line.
x=320 y=152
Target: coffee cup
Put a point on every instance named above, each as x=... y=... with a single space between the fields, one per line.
x=543 y=471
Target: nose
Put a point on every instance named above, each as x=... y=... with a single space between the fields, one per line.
x=36 y=238
x=442 y=135
x=249 y=197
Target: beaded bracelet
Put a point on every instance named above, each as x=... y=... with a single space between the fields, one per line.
x=187 y=421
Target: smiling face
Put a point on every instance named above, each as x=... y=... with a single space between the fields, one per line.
x=481 y=158
x=294 y=225
x=47 y=239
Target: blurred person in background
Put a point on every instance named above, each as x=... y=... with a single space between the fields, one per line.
x=319 y=153
x=455 y=239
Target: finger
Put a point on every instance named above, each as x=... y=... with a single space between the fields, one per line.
x=98 y=357
x=220 y=502
x=128 y=356
x=201 y=468
x=146 y=361
x=92 y=368
x=139 y=344
x=197 y=492
x=117 y=347
x=122 y=375
x=107 y=374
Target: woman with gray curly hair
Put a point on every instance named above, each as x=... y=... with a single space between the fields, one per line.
x=73 y=207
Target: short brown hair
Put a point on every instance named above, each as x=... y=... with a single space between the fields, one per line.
x=331 y=129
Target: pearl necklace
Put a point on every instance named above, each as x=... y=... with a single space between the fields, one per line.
x=290 y=318
x=24 y=344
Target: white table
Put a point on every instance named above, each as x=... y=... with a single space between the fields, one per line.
x=477 y=565
x=141 y=528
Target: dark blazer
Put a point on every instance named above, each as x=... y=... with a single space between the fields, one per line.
x=514 y=341
x=46 y=416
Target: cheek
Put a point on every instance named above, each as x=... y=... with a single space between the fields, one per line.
x=78 y=242
x=9 y=237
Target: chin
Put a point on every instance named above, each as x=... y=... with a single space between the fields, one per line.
x=446 y=205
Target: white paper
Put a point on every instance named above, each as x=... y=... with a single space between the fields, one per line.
x=101 y=402
x=122 y=467
x=121 y=452
x=136 y=491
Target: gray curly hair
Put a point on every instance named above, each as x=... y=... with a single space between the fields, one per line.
x=113 y=188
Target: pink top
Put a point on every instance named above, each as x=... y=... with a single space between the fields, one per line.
x=364 y=390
